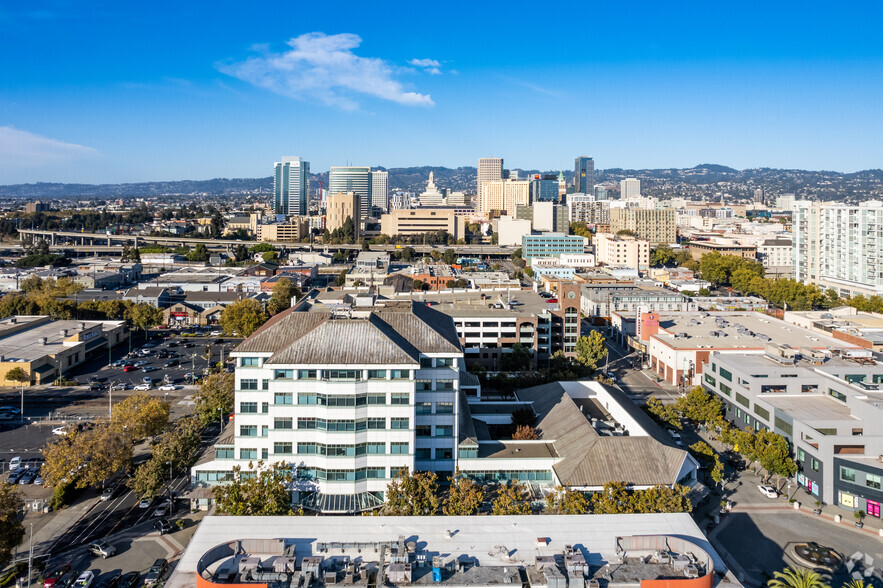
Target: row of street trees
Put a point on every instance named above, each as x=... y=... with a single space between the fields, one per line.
x=246 y=316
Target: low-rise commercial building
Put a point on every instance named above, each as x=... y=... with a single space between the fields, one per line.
x=700 y=248
x=601 y=300
x=828 y=403
x=46 y=349
x=551 y=245
x=294 y=230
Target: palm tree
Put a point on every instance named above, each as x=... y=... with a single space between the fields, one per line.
x=796 y=578
x=856 y=584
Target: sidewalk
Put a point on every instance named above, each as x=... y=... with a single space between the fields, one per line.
x=49 y=527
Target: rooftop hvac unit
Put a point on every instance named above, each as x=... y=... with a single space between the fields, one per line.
x=593 y=583
x=311 y=565
x=284 y=563
x=399 y=573
x=554 y=578
x=576 y=580
x=691 y=571
x=576 y=564
x=543 y=562
x=249 y=563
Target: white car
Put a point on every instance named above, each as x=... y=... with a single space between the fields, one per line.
x=768 y=491
x=14 y=463
x=162 y=510
x=59 y=431
x=145 y=503
x=168 y=387
x=142 y=387
x=85 y=580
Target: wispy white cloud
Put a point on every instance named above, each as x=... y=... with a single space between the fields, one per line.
x=530 y=86
x=23 y=149
x=430 y=66
x=324 y=68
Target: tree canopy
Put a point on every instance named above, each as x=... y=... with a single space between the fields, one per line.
x=410 y=494
x=243 y=317
x=262 y=490
x=591 y=350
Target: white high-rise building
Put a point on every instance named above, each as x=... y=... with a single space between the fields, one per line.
x=586 y=208
x=503 y=195
x=347 y=397
x=490 y=169
x=357 y=180
x=291 y=186
x=630 y=189
x=380 y=190
x=839 y=247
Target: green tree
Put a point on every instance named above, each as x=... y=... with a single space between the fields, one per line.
x=614 y=498
x=517 y=360
x=177 y=448
x=21 y=377
x=525 y=433
x=591 y=350
x=663 y=499
x=774 y=454
x=261 y=248
x=340 y=280
x=199 y=253
x=86 y=458
x=240 y=253
x=283 y=291
x=215 y=397
x=512 y=499
x=700 y=406
x=243 y=317
x=140 y=415
x=145 y=316
x=796 y=577
x=217 y=225
x=464 y=496
x=261 y=491
x=412 y=494
x=567 y=501
x=661 y=256
x=11 y=505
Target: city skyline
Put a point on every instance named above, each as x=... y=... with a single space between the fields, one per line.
x=136 y=96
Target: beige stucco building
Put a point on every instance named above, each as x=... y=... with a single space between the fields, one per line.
x=417 y=221
x=340 y=206
x=654 y=225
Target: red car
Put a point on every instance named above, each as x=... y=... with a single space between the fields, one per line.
x=50 y=580
x=130 y=368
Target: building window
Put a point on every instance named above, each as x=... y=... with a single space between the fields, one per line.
x=250 y=361
x=342 y=375
x=726 y=389
x=397 y=448
x=726 y=375
x=423 y=385
x=424 y=408
x=250 y=453
x=827 y=431
x=399 y=423
x=375 y=448
x=444 y=362
x=847 y=499
x=283 y=374
x=400 y=398
x=224 y=453
x=283 y=423
x=709 y=380
x=376 y=374
x=784 y=426
x=847 y=474
x=801 y=455
x=307 y=448
x=248 y=430
x=377 y=424
x=306 y=374
x=426 y=362
x=248 y=407
x=762 y=412
x=424 y=430
x=444 y=454
x=814 y=464
x=307 y=398
x=444 y=431
x=400 y=374
x=872 y=481
x=467 y=452
x=444 y=384
x=838 y=395
x=248 y=384
x=307 y=423
x=422 y=453
x=376 y=399
x=444 y=408
x=283 y=398
x=743 y=400
x=282 y=448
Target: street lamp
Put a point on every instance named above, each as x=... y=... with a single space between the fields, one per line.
x=169 y=463
x=221 y=418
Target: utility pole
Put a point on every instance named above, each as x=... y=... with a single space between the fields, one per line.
x=30 y=554
x=109 y=399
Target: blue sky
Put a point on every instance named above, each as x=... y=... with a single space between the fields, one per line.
x=98 y=91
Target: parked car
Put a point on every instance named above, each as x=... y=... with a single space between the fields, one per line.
x=102 y=548
x=129 y=580
x=189 y=345
x=7 y=416
x=27 y=477
x=143 y=387
x=140 y=363
x=111 y=580
x=14 y=477
x=156 y=572
x=85 y=580
x=10 y=410
x=149 y=368
x=768 y=491
x=59 y=431
x=66 y=579
x=15 y=463
x=168 y=387
x=130 y=368
x=172 y=363
x=162 y=510
x=172 y=344
x=163 y=526
x=145 y=503
x=96 y=386
x=38 y=480
x=57 y=572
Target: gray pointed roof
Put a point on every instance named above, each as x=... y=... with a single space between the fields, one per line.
x=394 y=335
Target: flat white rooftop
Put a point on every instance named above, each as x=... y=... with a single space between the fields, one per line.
x=477 y=537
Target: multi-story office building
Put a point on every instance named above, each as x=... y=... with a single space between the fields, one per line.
x=347 y=397
x=339 y=207
x=622 y=250
x=829 y=404
x=490 y=169
x=586 y=208
x=293 y=230
x=601 y=300
x=630 y=189
x=544 y=188
x=551 y=245
x=776 y=257
x=583 y=175
x=600 y=192
x=657 y=226
x=291 y=186
x=419 y=221
x=839 y=247
x=544 y=216
x=357 y=180
x=380 y=190
x=503 y=195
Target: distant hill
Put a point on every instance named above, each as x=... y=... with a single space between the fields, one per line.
x=698 y=180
